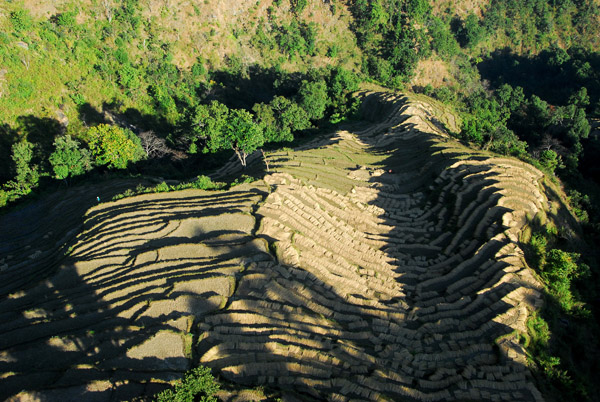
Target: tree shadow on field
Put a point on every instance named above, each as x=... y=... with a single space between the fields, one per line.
x=36 y=235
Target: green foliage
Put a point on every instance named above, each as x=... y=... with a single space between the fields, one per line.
x=4 y=198
x=445 y=95
x=558 y=271
x=381 y=70
x=297 y=38
x=21 y=20
x=241 y=134
x=27 y=175
x=290 y=118
x=487 y=121
x=207 y=121
x=265 y=117
x=203 y=183
x=198 y=385
x=580 y=203
x=563 y=326
x=290 y=115
x=223 y=128
x=342 y=83
x=200 y=183
x=470 y=33
x=23 y=88
x=558 y=268
x=114 y=146
x=67 y=19
x=442 y=40
x=537 y=245
x=314 y=98
x=391 y=38
x=68 y=159
x=128 y=77
x=298 y=5
x=506 y=142
x=550 y=160
x=511 y=98
x=428 y=90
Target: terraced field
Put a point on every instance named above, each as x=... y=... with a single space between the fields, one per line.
x=381 y=263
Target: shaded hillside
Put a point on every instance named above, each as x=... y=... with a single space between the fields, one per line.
x=381 y=262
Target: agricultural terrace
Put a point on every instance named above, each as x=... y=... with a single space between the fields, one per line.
x=382 y=262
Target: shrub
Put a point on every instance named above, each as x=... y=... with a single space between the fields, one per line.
x=428 y=90
x=161 y=188
x=549 y=159
x=298 y=5
x=442 y=40
x=203 y=183
x=21 y=20
x=445 y=95
x=471 y=32
x=4 y=196
x=198 y=385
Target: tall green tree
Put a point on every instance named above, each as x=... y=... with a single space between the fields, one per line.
x=27 y=175
x=206 y=121
x=238 y=132
x=68 y=159
x=314 y=98
x=290 y=117
x=114 y=146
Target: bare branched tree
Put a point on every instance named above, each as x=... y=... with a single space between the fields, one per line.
x=108 y=11
x=153 y=145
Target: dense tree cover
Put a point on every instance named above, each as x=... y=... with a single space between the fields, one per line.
x=169 y=109
x=392 y=36
x=508 y=122
x=219 y=128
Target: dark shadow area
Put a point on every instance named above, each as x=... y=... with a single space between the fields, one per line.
x=8 y=137
x=78 y=328
x=552 y=75
x=45 y=227
x=40 y=131
x=90 y=115
x=256 y=84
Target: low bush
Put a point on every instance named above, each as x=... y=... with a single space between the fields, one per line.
x=198 y=385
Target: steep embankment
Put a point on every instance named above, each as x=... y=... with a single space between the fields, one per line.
x=380 y=263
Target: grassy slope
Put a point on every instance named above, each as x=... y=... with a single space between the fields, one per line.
x=56 y=68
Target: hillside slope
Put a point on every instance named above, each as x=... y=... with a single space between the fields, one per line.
x=382 y=262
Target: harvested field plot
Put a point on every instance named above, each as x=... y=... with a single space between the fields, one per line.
x=379 y=264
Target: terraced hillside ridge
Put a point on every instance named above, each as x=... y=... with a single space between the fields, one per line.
x=117 y=317
x=381 y=263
